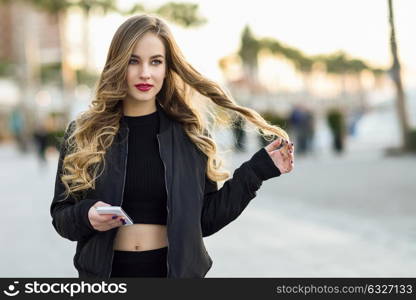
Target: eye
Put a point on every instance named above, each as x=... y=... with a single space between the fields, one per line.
x=132 y=61
x=158 y=61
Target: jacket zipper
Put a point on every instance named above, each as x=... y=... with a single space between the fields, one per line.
x=167 y=207
x=122 y=191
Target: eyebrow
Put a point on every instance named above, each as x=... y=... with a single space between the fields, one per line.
x=154 y=56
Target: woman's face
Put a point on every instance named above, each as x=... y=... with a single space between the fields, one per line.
x=147 y=68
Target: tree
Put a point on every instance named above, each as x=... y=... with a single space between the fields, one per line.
x=396 y=75
x=184 y=14
x=248 y=52
x=338 y=64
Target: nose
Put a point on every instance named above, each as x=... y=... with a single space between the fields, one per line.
x=144 y=72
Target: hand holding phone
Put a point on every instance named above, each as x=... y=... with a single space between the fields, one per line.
x=114 y=210
x=105 y=221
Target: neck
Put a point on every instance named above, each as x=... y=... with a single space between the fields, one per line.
x=138 y=108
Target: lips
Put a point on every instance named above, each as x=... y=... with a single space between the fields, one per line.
x=143 y=86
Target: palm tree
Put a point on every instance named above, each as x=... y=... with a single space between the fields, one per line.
x=183 y=14
x=337 y=64
x=248 y=52
x=396 y=75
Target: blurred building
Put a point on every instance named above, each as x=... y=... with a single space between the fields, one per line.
x=29 y=39
x=6 y=51
x=43 y=26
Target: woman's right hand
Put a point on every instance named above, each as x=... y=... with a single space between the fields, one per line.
x=103 y=222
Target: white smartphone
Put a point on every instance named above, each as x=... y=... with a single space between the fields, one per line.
x=114 y=210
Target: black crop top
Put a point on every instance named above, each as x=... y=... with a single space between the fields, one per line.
x=144 y=192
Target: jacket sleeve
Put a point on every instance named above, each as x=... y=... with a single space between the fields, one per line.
x=69 y=217
x=222 y=206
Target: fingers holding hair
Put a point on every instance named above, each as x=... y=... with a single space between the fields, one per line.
x=276 y=144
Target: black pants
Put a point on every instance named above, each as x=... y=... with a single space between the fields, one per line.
x=149 y=263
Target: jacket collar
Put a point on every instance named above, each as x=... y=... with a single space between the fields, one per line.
x=165 y=121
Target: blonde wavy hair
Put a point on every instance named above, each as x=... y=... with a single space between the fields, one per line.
x=96 y=128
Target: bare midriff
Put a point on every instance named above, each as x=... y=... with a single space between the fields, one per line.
x=140 y=237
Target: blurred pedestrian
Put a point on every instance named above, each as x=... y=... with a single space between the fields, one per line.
x=40 y=137
x=17 y=126
x=337 y=125
x=141 y=146
x=309 y=130
x=239 y=134
x=302 y=124
x=352 y=121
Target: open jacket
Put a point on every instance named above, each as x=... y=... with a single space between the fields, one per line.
x=195 y=206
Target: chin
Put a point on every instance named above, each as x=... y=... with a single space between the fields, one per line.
x=141 y=99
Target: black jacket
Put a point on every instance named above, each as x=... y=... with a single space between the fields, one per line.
x=195 y=206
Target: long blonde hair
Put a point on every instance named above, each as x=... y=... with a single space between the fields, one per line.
x=96 y=128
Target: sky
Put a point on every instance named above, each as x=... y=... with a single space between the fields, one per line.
x=357 y=27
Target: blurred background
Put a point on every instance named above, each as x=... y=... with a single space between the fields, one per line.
x=339 y=76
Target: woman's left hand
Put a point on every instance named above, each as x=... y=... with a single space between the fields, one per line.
x=281 y=152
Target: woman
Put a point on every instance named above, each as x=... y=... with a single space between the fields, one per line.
x=142 y=145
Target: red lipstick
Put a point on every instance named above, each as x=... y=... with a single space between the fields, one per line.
x=144 y=87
